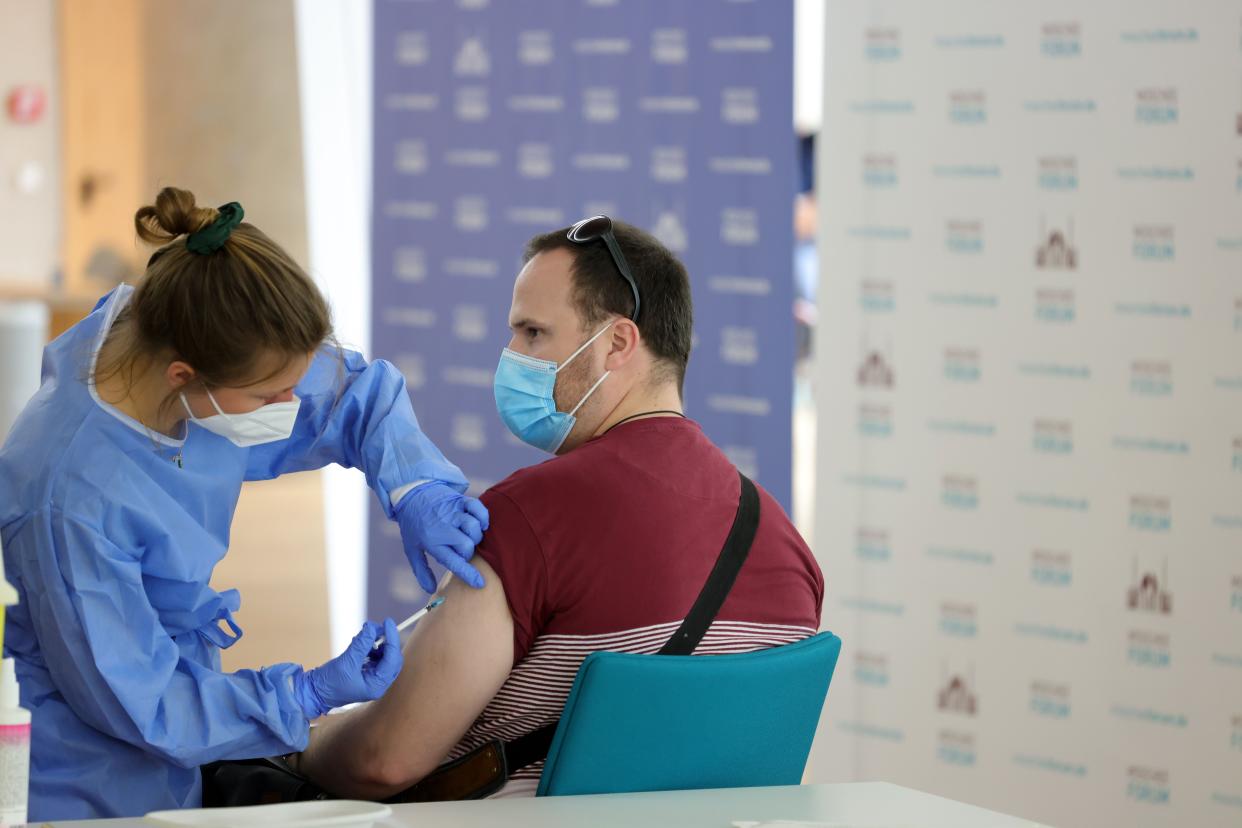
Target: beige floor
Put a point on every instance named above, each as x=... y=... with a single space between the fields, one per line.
x=276 y=558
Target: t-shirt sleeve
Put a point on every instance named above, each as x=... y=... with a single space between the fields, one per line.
x=511 y=547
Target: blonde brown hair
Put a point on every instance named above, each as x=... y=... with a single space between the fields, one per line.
x=220 y=312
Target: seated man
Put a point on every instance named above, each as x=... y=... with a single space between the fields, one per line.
x=604 y=547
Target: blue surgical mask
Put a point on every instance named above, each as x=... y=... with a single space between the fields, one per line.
x=524 y=389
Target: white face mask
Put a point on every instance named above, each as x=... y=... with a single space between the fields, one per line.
x=265 y=424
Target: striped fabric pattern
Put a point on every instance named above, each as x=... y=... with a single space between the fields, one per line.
x=537 y=687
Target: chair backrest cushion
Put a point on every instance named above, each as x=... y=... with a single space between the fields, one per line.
x=651 y=722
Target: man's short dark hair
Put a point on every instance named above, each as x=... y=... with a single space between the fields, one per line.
x=600 y=291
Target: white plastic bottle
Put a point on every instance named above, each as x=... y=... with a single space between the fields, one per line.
x=14 y=749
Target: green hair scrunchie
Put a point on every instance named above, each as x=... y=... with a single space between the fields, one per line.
x=212 y=237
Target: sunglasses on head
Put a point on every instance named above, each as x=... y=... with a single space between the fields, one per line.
x=600 y=227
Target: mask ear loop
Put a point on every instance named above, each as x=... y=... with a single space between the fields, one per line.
x=186 y=405
x=215 y=404
x=585 y=345
x=597 y=384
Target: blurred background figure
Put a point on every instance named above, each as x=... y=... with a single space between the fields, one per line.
x=806 y=251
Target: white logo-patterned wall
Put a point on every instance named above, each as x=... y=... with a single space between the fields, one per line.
x=1030 y=385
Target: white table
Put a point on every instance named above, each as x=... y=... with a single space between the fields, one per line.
x=870 y=804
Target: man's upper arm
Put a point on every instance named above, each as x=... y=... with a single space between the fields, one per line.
x=456 y=660
x=513 y=549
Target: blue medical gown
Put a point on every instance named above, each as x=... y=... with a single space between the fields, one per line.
x=111 y=545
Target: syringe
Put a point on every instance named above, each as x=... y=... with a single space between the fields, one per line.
x=409 y=622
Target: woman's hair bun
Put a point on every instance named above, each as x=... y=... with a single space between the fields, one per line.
x=173 y=214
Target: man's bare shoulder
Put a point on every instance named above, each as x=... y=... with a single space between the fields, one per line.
x=467 y=610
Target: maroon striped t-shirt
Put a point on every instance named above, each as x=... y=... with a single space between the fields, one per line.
x=607 y=547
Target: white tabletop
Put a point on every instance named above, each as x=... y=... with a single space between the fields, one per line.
x=856 y=804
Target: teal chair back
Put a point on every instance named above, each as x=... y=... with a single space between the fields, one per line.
x=662 y=722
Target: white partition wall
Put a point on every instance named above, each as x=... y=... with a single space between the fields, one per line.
x=334 y=72
x=1029 y=506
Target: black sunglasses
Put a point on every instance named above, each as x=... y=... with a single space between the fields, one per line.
x=600 y=227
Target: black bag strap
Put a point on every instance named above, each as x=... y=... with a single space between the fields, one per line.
x=723 y=574
x=534 y=746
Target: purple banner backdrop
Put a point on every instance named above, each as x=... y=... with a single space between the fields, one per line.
x=497 y=121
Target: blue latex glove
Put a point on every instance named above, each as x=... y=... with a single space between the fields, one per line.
x=359 y=674
x=437 y=520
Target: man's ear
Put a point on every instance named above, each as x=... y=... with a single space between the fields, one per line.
x=623 y=343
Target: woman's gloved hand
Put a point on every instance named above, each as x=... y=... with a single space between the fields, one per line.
x=356 y=675
x=438 y=520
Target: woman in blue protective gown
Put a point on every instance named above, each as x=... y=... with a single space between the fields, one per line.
x=117 y=489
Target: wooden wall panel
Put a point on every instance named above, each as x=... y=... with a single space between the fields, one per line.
x=103 y=138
